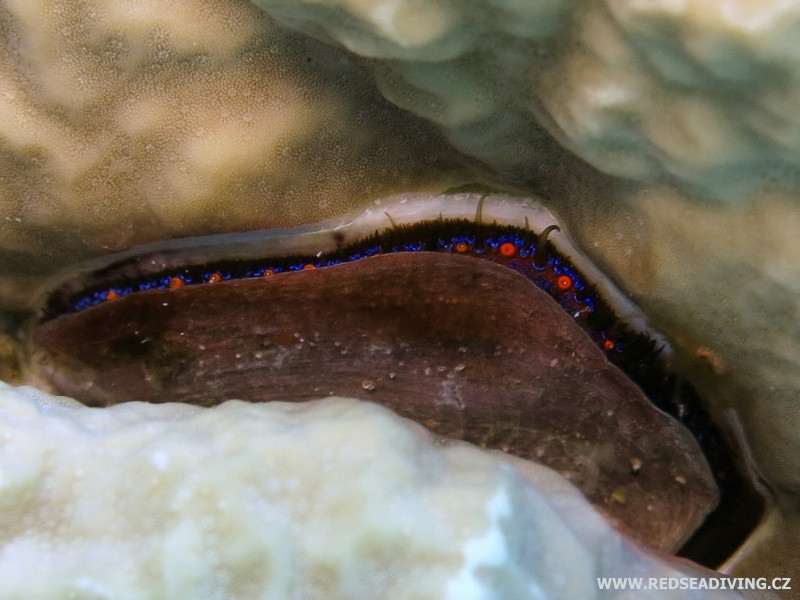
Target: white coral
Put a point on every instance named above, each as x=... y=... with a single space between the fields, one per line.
x=329 y=499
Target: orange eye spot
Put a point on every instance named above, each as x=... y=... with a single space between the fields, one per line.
x=308 y=267
x=564 y=282
x=214 y=278
x=176 y=282
x=609 y=345
x=508 y=249
x=268 y=273
x=462 y=247
x=111 y=295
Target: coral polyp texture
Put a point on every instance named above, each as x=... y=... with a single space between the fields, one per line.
x=133 y=121
x=692 y=92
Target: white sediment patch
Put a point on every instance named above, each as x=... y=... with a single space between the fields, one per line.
x=329 y=499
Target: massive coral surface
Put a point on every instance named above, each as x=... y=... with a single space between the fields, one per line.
x=126 y=122
x=329 y=499
x=696 y=93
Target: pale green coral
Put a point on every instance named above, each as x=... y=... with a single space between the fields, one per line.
x=697 y=93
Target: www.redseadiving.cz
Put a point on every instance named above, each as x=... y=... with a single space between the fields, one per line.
x=694 y=583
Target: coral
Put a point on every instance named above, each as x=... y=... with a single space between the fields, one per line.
x=335 y=499
x=129 y=122
x=695 y=93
